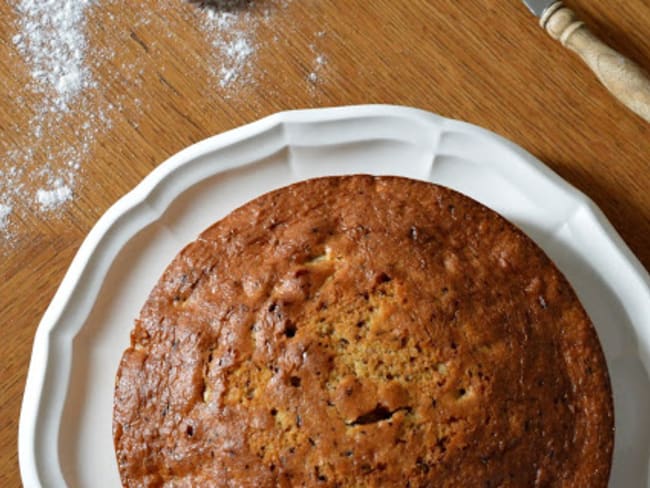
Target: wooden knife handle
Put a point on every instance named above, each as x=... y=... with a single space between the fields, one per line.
x=625 y=79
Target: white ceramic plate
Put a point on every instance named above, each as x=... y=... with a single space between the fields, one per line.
x=65 y=424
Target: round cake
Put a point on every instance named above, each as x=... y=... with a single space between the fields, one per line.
x=363 y=331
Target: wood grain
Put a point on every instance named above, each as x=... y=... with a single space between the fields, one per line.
x=459 y=59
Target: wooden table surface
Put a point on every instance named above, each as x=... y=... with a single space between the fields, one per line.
x=157 y=84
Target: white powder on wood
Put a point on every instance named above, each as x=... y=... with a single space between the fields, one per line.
x=54 y=197
x=319 y=62
x=231 y=26
x=237 y=55
x=5 y=212
x=232 y=36
x=51 y=37
x=11 y=189
x=52 y=40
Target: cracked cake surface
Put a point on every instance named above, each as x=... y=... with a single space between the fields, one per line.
x=363 y=332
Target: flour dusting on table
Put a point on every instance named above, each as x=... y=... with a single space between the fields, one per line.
x=233 y=43
x=318 y=64
x=52 y=41
x=5 y=211
x=69 y=107
x=51 y=38
x=55 y=196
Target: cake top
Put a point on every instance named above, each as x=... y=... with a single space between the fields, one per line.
x=363 y=331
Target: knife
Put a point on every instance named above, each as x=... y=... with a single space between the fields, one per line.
x=625 y=79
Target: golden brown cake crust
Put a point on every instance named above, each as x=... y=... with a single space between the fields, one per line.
x=363 y=332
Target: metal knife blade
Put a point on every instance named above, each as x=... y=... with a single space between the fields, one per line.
x=538 y=7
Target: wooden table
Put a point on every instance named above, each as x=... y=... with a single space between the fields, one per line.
x=486 y=62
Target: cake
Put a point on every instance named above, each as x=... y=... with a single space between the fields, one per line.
x=363 y=331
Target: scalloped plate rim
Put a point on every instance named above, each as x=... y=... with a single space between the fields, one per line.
x=106 y=231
